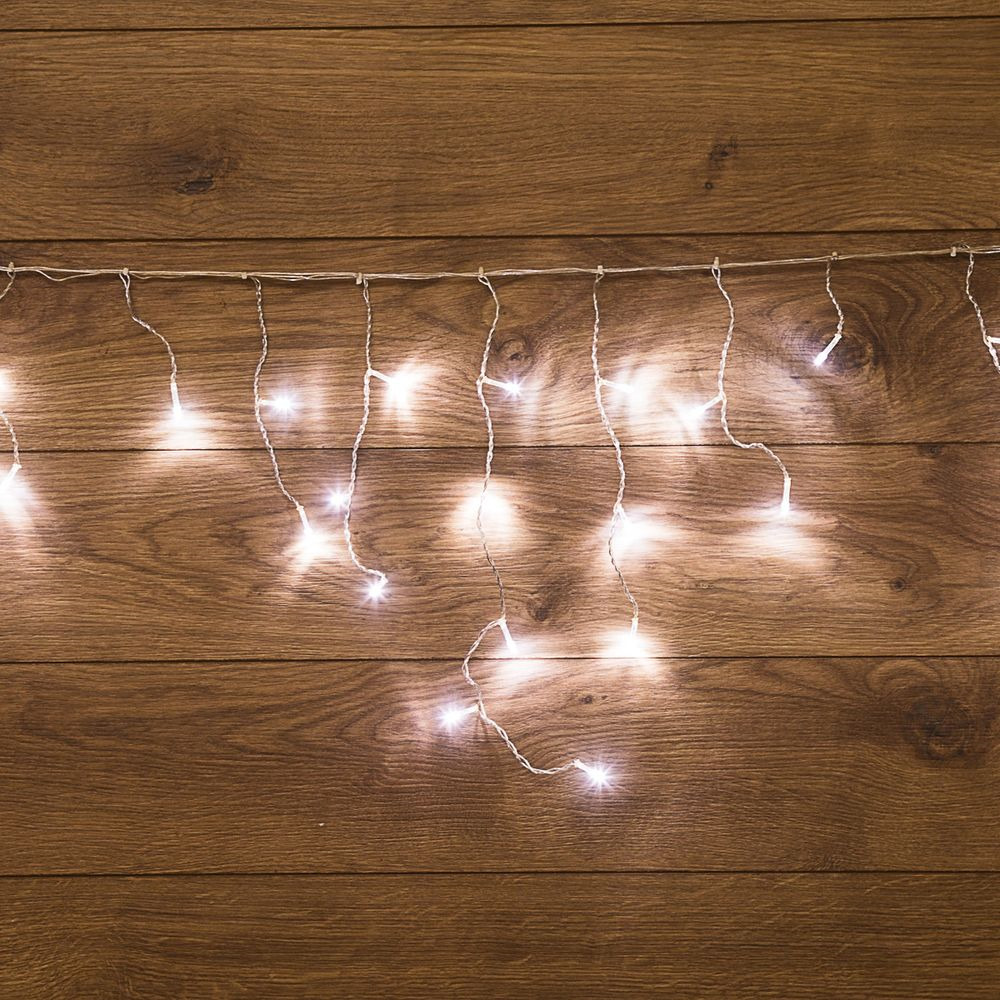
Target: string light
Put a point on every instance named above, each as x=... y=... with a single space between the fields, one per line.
x=453 y=715
x=15 y=466
x=723 y=400
x=177 y=411
x=988 y=341
x=618 y=515
x=311 y=543
x=377 y=580
x=820 y=358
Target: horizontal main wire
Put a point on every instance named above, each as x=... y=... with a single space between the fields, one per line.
x=70 y=273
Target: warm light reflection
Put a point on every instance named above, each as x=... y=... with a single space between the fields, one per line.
x=15 y=498
x=184 y=431
x=633 y=390
x=499 y=516
x=5 y=386
x=634 y=528
x=629 y=645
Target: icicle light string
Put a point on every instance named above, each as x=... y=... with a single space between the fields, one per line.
x=723 y=399
x=15 y=465
x=990 y=342
x=618 y=515
x=308 y=538
x=451 y=716
x=838 y=336
x=376 y=588
x=70 y=273
x=175 y=399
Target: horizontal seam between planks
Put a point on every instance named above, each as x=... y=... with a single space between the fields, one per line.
x=235 y=661
x=931 y=873
x=479 y=237
x=512 y=26
x=286 y=449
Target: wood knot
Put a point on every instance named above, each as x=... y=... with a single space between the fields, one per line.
x=197 y=185
x=515 y=357
x=941 y=728
x=898 y=584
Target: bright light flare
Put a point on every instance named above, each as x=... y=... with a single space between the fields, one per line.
x=453 y=715
x=338 y=499
x=283 y=404
x=599 y=775
x=376 y=589
x=400 y=386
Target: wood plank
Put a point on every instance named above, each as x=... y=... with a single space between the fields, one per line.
x=799 y=937
x=891 y=550
x=79 y=374
x=104 y=15
x=729 y=764
x=520 y=132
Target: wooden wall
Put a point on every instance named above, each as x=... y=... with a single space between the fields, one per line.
x=222 y=774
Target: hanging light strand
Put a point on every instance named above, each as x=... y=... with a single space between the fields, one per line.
x=175 y=399
x=838 y=336
x=15 y=466
x=723 y=399
x=618 y=511
x=990 y=342
x=257 y=401
x=597 y=774
x=377 y=577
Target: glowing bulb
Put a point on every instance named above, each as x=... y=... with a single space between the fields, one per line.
x=599 y=775
x=512 y=388
x=175 y=398
x=338 y=499
x=786 y=497
x=400 y=385
x=825 y=353
x=507 y=637
x=376 y=589
x=281 y=404
x=453 y=715
x=691 y=416
x=9 y=477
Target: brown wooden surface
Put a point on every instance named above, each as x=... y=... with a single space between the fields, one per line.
x=681 y=936
x=890 y=551
x=641 y=129
x=104 y=15
x=344 y=767
x=805 y=783
x=81 y=375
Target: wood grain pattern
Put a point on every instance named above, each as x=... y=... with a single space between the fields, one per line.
x=344 y=767
x=687 y=936
x=892 y=551
x=80 y=375
x=104 y=15
x=691 y=128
